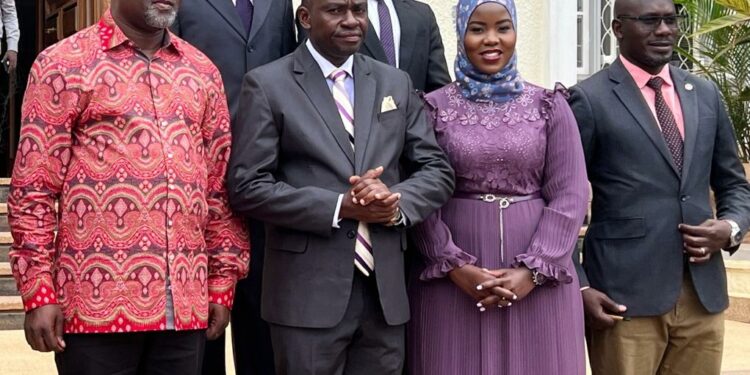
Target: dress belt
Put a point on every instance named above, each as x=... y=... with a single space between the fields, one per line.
x=503 y=202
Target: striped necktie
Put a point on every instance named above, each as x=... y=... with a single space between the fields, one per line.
x=363 y=258
x=386 y=32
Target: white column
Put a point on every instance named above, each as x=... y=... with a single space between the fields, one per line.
x=562 y=39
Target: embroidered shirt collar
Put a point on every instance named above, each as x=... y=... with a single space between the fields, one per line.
x=111 y=36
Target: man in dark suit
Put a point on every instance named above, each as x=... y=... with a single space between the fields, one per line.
x=239 y=35
x=320 y=144
x=657 y=139
x=405 y=34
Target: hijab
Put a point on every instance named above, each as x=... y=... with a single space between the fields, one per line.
x=500 y=87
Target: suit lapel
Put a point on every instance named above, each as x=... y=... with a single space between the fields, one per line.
x=311 y=80
x=689 y=104
x=373 y=46
x=227 y=10
x=631 y=97
x=260 y=11
x=408 y=33
x=364 y=102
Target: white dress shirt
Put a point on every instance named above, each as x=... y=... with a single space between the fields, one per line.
x=327 y=68
x=372 y=14
x=9 y=23
x=235 y=2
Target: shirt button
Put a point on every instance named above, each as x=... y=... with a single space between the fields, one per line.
x=164 y=124
x=351 y=234
x=171 y=257
x=170 y=155
x=169 y=223
x=685 y=198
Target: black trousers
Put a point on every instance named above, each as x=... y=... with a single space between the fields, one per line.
x=361 y=344
x=140 y=353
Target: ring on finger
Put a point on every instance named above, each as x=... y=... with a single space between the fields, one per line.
x=703 y=250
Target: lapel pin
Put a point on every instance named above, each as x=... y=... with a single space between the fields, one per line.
x=689 y=86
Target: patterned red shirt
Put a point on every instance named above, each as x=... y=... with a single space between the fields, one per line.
x=134 y=151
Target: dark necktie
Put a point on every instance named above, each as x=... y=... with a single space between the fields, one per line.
x=667 y=123
x=245 y=10
x=386 y=32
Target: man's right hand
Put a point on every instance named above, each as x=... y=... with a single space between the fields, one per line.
x=369 y=185
x=598 y=306
x=44 y=329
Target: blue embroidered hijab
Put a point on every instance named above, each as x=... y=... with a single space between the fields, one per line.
x=476 y=86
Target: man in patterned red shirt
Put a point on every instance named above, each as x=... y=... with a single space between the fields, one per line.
x=126 y=129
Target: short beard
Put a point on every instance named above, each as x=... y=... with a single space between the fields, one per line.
x=157 y=19
x=657 y=61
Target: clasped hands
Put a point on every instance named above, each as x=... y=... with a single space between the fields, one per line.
x=369 y=200
x=499 y=288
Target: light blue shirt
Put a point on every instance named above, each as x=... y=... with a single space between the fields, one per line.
x=327 y=68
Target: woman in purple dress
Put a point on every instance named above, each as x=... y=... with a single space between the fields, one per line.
x=498 y=293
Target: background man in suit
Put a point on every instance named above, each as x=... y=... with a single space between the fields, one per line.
x=319 y=126
x=239 y=35
x=405 y=34
x=656 y=140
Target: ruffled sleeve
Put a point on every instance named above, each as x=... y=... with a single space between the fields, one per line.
x=435 y=242
x=564 y=188
x=433 y=237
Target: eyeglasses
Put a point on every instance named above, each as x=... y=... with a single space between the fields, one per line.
x=674 y=21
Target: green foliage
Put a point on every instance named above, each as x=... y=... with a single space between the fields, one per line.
x=720 y=51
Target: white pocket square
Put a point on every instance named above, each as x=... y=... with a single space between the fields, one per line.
x=388 y=104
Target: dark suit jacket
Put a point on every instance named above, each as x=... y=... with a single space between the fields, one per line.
x=290 y=161
x=633 y=251
x=215 y=28
x=421 y=52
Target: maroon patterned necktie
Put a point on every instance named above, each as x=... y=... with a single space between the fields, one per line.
x=667 y=123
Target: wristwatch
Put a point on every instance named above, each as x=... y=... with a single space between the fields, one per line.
x=736 y=237
x=537 y=278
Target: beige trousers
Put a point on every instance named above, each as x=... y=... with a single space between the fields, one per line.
x=687 y=340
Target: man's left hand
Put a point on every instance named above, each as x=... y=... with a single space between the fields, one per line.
x=702 y=241
x=218 y=320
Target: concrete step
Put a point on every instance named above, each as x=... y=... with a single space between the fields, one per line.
x=11 y=313
x=4 y=250
x=738 y=284
x=7 y=282
x=6 y=238
x=11 y=303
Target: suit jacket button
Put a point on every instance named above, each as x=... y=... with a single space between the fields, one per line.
x=351 y=234
x=685 y=198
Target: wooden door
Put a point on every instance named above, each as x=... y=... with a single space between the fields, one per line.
x=59 y=19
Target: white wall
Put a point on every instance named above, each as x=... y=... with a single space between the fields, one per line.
x=546 y=38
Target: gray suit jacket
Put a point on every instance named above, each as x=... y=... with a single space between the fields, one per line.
x=633 y=251
x=290 y=161
x=421 y=52
x=215 y=28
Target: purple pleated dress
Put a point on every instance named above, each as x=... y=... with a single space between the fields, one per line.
x=529 y=146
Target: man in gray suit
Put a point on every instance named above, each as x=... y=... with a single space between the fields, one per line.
x=657 y=140
x=239 y=35
x=319 y=146
x=405 y=34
